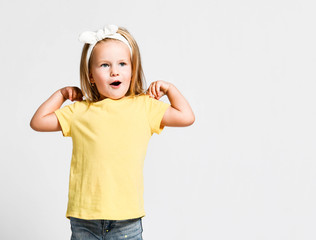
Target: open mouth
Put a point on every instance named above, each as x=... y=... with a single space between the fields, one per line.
x=116 y=83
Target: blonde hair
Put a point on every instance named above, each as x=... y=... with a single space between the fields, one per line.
x=137 y=85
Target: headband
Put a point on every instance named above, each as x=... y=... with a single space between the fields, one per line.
x=110 y=31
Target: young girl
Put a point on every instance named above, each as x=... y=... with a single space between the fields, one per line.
x=110 y=131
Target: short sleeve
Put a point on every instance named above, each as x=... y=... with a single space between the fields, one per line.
x=155 y=112
x=65 y=116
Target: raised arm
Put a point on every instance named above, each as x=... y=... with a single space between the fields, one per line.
x=179 y=114
x=44 y=119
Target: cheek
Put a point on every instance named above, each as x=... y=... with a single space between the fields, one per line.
x=129 y=74
x=100 y=73
x=128 y=70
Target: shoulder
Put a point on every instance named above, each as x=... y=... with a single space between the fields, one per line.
x=153 y=104
x=76 y=106
x=82 y=103
x=147 y=99
x=141 y=99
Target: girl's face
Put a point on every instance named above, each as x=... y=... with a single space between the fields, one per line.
x=111 y=69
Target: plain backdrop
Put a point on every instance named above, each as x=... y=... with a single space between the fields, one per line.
x=245 y=170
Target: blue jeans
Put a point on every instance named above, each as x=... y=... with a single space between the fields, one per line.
x=106 y=229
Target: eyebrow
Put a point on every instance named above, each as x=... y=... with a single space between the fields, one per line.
x=120 y=60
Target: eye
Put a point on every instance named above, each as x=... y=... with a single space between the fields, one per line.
x=122 y=64
x=104 y=65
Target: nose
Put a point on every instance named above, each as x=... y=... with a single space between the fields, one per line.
x=114 y=71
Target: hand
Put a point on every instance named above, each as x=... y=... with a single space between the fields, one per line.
x=72 y=93
x=158 y=89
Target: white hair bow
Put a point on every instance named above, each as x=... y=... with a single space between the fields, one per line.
x=93 y=37
x=110 y=31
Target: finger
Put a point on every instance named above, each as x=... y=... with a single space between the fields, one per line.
x=80 y=96
x=74 y=95
x=78 y=90
x=158 y=89
x=70 y=95
x=154 y=89
x=150 y=90
x=64 y=93
x=149 y=93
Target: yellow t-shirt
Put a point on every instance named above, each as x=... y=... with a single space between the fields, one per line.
x=110 y=139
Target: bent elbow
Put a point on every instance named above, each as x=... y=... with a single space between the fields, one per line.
x=190 y=120
x=33 y=125
x=193 y=119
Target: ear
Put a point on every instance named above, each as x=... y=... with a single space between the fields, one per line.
x=91 y=78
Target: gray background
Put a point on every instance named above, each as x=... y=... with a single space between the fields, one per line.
x=245 y=169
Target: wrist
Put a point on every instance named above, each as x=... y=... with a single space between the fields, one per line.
x=170 y=85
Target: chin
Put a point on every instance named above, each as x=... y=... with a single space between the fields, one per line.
x=117 y=96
